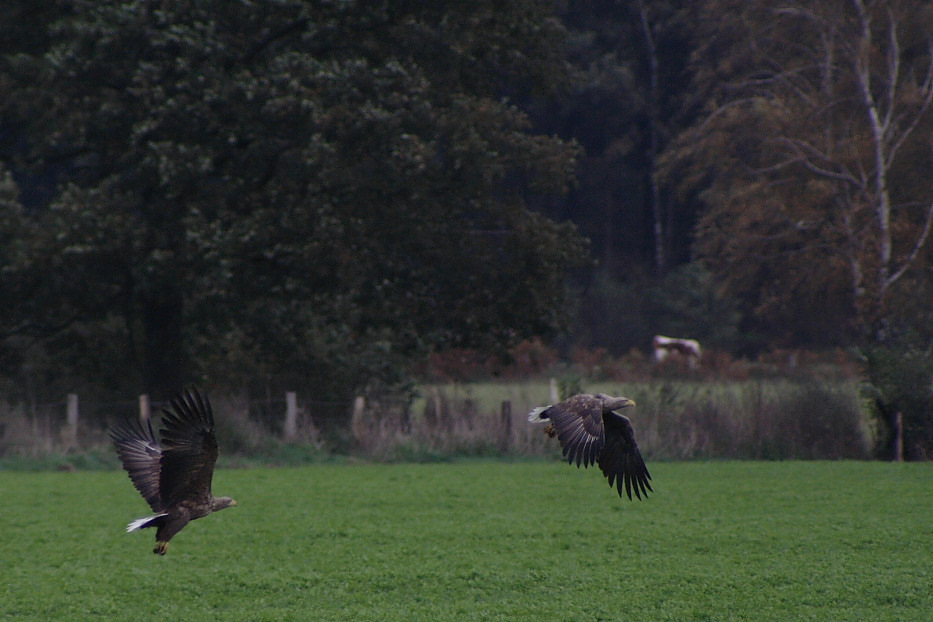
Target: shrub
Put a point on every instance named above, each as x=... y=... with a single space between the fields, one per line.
x=818 y=421
x=899 y=380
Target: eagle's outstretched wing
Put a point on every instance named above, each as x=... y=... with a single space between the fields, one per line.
x=140 y=454
x=620 y=459
x=189 y=449
x=578 y=422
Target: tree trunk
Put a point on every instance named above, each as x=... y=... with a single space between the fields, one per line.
x=652 y=153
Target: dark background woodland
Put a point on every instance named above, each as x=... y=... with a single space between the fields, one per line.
x=270 y=195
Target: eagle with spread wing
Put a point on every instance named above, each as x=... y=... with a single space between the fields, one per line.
x=175 y=477
x=590 y=431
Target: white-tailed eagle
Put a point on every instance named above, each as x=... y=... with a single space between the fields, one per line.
x=175 y=477
x=590 y=431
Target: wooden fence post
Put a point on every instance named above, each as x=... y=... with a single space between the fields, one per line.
x=505 y=441
x=899 y=438
x=555 y=394
x=71 y=418
x=145 y=410
x=438 y=406
x=291 y=416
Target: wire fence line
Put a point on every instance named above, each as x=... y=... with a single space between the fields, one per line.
x=119 y=406
x=67 y=424
x=379 y=427
x=759 y=419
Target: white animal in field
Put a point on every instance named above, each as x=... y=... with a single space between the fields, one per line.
x=688 y=348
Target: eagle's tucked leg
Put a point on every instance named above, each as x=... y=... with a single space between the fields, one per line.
x=550 y=430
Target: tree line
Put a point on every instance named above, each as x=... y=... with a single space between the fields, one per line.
x=324 y=192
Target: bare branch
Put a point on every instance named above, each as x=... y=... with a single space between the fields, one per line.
x=807 y=152
x=918 y=246
x=722 y=110
x=926 y=88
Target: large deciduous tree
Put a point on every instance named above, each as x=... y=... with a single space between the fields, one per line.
x=307 y=191
x=812 y=155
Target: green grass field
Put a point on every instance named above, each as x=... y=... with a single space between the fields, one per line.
x=482 y=541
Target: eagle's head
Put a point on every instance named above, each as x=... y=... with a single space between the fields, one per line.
x=614 y=403
x=220 y=503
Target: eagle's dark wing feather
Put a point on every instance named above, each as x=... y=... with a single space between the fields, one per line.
x=579 y=425
x=189 y=450
x=620 y=459
x=140 y=454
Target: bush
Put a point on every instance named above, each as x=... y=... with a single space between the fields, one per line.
x=899 y=379
x=818 y=421
x=770 y=420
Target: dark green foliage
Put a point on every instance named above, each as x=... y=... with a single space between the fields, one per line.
x=899 y=380
x=313 y=193
x=569 y=385
x=686 y=303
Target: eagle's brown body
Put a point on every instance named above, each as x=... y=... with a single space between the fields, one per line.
x=590 y=431
x=175 y=477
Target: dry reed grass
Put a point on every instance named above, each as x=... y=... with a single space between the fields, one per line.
x=674 y=420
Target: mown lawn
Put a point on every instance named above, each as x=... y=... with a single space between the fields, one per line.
x=482 y=541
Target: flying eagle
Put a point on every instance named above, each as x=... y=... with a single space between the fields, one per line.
x=174 y=478
x=590 y=431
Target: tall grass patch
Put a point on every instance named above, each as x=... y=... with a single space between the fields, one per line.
x=750 y=420
x=764 y=419
x=454 y=420
x=675 y=419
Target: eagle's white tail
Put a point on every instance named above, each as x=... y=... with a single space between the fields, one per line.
x=142 y=523
x=535 y=415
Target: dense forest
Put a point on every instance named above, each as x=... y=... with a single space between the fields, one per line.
x=323 y=193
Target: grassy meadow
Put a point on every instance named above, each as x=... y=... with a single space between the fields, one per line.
x=482 y=540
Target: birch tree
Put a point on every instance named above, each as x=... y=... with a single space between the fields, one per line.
x=815 y=135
